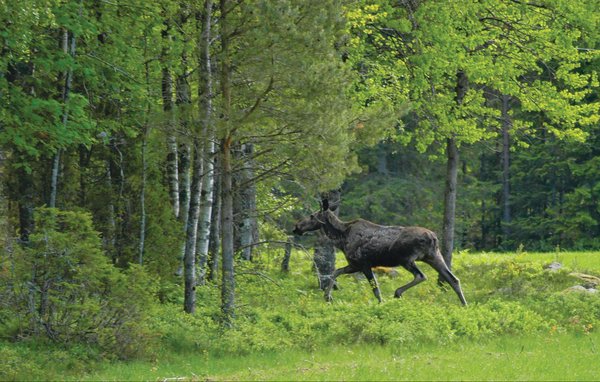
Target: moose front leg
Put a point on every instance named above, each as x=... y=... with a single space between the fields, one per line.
x=336 y=273
x=373 y=282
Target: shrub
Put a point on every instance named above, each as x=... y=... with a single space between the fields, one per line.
x=65 y=288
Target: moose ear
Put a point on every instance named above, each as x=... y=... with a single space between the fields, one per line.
x=325 y=205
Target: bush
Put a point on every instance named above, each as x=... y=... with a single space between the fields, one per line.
x=66 y=289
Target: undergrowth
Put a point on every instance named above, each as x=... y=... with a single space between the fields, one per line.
x=507 y=295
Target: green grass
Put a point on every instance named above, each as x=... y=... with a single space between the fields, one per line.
x=549 y=357
x=520 y=325
x=577 y=261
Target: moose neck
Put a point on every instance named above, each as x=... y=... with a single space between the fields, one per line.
x=335 y=229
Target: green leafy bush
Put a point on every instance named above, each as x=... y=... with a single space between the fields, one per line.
x=66 y=289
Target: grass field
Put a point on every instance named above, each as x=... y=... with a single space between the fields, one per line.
x=551 y=357
x=577 y=261
x=520 y=324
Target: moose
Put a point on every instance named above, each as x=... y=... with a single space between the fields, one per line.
x=367 y=245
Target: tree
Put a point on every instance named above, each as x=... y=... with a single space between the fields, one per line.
x=492 y=46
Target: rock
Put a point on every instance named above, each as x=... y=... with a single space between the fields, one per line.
x=581 y=289
x=553 y=266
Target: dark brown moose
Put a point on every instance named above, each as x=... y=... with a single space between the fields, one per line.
x=367 y=245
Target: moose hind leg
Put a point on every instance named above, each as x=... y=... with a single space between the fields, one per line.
x=373 y=282
x=419 y=278
x=446 y=275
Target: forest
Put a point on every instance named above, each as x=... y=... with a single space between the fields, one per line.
x=155 y=156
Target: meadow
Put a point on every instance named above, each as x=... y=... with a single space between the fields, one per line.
x=521 y=324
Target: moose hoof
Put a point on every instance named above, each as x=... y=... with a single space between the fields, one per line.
x=328 y=298
x=398 y=294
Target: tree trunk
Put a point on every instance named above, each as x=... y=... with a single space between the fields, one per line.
x=143 y=199
x=184 y=101
x=450 y=200
x=227 y=240
x=54 y=178
x=462 y=85
x=68 y=76
x=506 y=126
x=227 y=251
x=215 y=228
x=287 y=254
x=85 y=157
x=122 y=208
x=4 y=222
x=324 y=257
x=189 y=259
x=184 y=198
x=173 y=173
x=167 y=99
x=145 y=132
x=184 y=152
x=26 y=193
x=382 y=163
x=112 y=224
x=205 y=94
x=247 y=196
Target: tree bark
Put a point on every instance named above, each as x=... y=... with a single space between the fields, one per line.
x=183 y=187
x=184 y=167
x=205 y=93
x=462 y=85
x=227 y=251
x=167 y=99
x=68 y=76
x=189 y=259
x=26 y=193
x=4 y=221
x=143 y=198
x=287 y=254
x=184 y=197
x=506 y=126
x=85 y=157
x=112 y=224
x=247 y=211
x=450 y=200
x=227 y=240
x=324 y=256
x=215 y=228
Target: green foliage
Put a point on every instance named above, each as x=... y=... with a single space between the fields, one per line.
x=510 y=296
x=63 y=287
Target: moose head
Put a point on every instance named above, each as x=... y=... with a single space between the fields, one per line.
x=315 y=220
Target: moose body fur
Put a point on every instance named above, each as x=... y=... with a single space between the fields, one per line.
x=367 y=245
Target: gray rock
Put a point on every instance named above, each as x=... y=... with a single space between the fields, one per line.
x=581 y=289
x=553 y=266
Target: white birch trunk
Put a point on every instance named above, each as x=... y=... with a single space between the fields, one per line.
x=189 y=259
x=173 y=173
x=167 y=99
x=205 y=98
